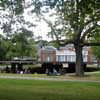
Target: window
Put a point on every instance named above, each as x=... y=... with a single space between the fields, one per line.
x=48 y=59
x=61 y=58
x=71 y=58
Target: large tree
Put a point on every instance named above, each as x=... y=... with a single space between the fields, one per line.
x=83 y=18
x=17 y=31
x=24 y=44
x=19 y=45
x=80 y=20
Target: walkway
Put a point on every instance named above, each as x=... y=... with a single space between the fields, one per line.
x=48 y=79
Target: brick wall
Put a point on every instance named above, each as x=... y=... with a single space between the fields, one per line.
x=48 y=56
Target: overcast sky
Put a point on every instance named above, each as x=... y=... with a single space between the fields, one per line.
x=41 y=28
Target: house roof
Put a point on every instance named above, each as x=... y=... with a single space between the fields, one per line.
x=49 y=48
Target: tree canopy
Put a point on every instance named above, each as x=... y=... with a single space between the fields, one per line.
x=19 y=45
x=80 y=20
x=17 y=38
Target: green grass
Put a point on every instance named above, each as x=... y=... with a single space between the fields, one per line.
x=12 y=89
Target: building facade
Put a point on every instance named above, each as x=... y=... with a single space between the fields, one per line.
x=64 y=54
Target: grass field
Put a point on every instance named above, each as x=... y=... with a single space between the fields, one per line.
x=12 y=89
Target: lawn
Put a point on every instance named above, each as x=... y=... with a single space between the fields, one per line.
x=14 y=89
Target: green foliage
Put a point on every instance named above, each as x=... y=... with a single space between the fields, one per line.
x=42 y=43
x=19 y=45
x=96 y=49
x=24 y=45
x=16 y=6
x=75 y=16
x=2 y=48
x=55 y=44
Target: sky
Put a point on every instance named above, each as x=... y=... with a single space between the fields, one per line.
x=41 y=28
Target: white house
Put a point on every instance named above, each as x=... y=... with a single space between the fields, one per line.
x=67 y=54
x=64 y=54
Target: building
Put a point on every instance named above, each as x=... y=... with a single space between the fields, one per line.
x=63 y=58
x=47 y=54
x=67 y=54
x=64 y=54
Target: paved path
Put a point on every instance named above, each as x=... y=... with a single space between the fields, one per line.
x=49 y=79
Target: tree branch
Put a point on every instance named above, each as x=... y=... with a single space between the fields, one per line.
x=63 y=42
x=51 y=26
x=87 y=31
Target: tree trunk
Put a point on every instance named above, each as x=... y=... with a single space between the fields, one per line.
x=79 y=61
x=98 y=63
